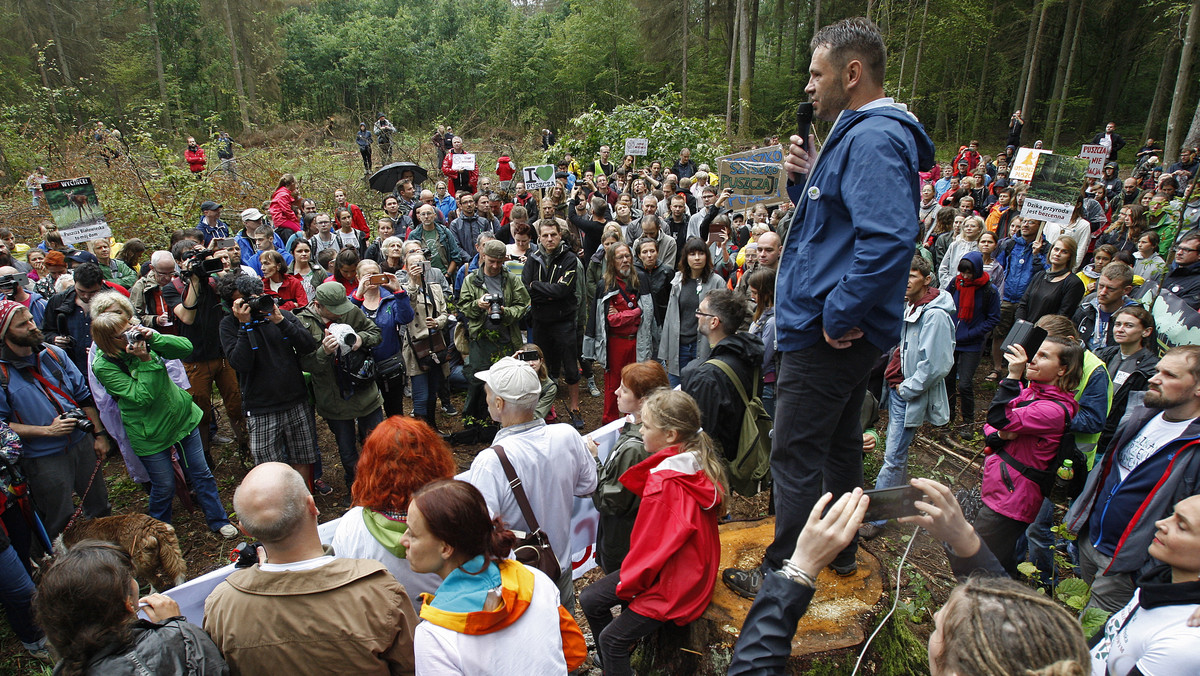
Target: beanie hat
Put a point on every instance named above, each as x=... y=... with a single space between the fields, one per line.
x=8 y=310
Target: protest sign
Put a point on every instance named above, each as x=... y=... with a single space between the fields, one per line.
x=1025 y=163
x=1175 y=322
x=539 y=176
x=638 y=147
x=76 y=210
x=463 y=162
x=1096 y=155
x=758 y=179
x=1057 y=182
x=769 y=155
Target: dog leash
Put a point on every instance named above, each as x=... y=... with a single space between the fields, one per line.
x=79 y=509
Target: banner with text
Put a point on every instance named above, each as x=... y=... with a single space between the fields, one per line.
x=1057 y=182
x=76 y=210
x=638 y=147
x=463 y=162
x=770 y=155
x=1096 y=155
x=1025 y=163
x=758 y=179
x=537 y=177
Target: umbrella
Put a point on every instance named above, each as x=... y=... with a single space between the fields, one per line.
x=385 y=179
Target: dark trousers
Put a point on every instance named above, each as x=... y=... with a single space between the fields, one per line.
x=366 y=157
x=1000 y=533
x=392 y=390
x=53 y=479
x=614 y=637
x=817 y=444
x=343 y=434
x=960 y=384
x=481 y=359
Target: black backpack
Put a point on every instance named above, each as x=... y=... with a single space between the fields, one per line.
x=1067 y=450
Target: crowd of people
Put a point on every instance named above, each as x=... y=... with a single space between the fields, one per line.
x=639 y=286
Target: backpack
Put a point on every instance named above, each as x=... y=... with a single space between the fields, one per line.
x=1067 y=450
x=750 y=470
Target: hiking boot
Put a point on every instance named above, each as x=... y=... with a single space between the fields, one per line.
x=744 y=583
x=577 y=420
x=869 y=531
x=592 y=389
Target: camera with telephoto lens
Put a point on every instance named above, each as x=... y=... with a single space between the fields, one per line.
x=200 y=263
x=261 y=306
x=9 y=283
x=495 y=306
x=82 y=422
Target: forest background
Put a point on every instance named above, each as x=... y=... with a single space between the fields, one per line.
x=500 y=71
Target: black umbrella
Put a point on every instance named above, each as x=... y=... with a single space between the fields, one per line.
x=385 y=179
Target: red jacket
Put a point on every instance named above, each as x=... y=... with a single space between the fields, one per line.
x=357 y=220
x=282 y=215
x=195 y=160
x=291 y=293
x=452 y=176
x=674 y=550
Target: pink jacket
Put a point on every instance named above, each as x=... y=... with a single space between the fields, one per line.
x=282 y=215
x=1039 y=427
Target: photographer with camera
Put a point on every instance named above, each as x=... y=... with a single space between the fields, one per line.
x=200 y=313
x=264 y=345
x=12 y=286
x=160 y=417
x=384 y=301
x=344 y=393
x=494 y=301
x=45 y=399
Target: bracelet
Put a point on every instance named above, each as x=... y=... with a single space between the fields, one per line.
x=792 y=572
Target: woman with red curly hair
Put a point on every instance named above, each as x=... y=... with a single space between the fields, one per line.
x=400 y=456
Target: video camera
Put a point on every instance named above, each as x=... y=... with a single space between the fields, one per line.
x=200 y=263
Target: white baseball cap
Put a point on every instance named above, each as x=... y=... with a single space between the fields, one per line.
x=511 y=379
x=252 y=214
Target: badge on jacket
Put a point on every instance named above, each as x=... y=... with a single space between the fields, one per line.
x=814 y=193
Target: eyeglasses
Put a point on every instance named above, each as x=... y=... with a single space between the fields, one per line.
x=1183 y=249
x=704 y=314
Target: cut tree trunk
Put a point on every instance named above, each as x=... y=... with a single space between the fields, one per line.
x=1179 y=98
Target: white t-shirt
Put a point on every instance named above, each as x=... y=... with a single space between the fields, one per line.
x=307 y=564
x=347 y=239
x=1155 y=640
x=353 y=541
x=1154 y=435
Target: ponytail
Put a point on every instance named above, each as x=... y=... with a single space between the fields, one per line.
x=676 y=410
x=456 y=513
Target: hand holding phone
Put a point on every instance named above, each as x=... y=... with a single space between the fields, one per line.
x=893 y=503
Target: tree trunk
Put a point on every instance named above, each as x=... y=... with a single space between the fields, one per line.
x=7 y=177
x=1175 y=117
x=782 y=21
x=1025 y=62
x=243 y=106
x=904 y=53
x=683 y=76
x=1160 y=90
x=1193 y=135
x=1060 y=72
x=753 y=35
x=796 y=35
x=1066 y=88
x=744 y=60
x=152 y=16
x=941 y=128
x=917 y=61
x=983 y=73
x=737 y=16
x=63 y=66
x=1033 y=62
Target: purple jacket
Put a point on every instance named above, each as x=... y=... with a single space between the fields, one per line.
x=1039 y=427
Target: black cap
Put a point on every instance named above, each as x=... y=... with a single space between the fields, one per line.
x=209 y=205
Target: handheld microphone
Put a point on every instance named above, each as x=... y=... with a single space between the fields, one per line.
x=804 y=116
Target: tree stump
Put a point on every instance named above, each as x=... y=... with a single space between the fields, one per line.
x=840 y=618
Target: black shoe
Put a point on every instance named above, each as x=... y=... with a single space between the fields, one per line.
x=321 y=488
x=744 y=583
x=845 y=569
x=966 y=434
x=449 y=409
x=577 y=420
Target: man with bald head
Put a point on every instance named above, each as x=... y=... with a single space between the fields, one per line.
x=155 y=295
x=301 y=610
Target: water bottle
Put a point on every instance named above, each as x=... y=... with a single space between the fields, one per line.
x=1063 y=478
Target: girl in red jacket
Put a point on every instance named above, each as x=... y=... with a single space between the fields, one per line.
x=674 y=550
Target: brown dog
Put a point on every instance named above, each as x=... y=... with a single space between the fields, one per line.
x=152 y=545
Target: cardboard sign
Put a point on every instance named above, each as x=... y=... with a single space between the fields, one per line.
x=463 y=162
x=1025 y=163
x=1096 y=155
x=540 y=176
x=638 y=147
x=76 y=210
x=759 y=179
x=1056 y=185
x=768 y=155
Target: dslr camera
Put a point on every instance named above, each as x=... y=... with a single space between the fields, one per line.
x=261 y=306
x=200 y=263
x=495 y=306
x=82 y=422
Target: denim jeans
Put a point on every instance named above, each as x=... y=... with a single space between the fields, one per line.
x=895 y=454
x=768 y=399
x=817 y=443
x=1039 y=538
x=16 y=597
x=425 y=386
x=687 y=352
x=162 y=482
x=343 y=434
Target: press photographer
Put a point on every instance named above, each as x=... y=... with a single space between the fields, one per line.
x=264 y=345
x=200 y=313
x=12 y=286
